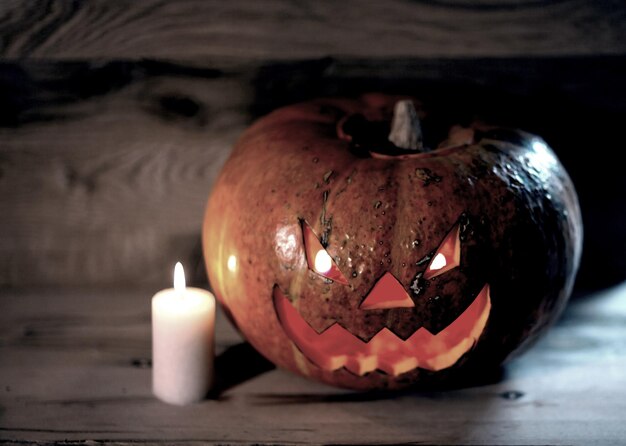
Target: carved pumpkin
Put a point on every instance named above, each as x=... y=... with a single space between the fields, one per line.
x=369 y=264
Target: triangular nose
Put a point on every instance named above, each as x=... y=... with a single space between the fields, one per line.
x=387 y=293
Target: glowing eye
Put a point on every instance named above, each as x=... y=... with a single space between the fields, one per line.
x=438 y=262
x=448 y=255
x=323 y=262
x=318 y=258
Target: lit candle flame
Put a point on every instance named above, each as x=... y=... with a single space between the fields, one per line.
x=179 y=278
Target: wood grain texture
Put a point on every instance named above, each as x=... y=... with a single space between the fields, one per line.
x=105 y=166
x=76 y=370
x=284 y=29
x=120 y=167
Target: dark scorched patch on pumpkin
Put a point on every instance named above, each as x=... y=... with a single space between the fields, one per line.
x=427 y=176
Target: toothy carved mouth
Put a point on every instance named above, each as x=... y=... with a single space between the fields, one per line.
x=336 y=347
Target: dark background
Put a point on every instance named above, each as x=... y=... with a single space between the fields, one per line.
x=115 y=117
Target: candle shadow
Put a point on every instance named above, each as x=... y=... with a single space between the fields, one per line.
x=236 y=365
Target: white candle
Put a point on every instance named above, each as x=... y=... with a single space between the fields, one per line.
x=183 y=336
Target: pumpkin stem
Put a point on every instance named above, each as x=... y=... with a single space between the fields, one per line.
x=406 y=130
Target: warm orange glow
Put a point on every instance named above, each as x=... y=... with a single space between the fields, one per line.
x=438 y=262
x=448 y=255
x=323 y=262
x=336 y=347
x=387 y=293
x=318 y=258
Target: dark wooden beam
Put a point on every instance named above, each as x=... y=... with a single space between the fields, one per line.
x=289 y=30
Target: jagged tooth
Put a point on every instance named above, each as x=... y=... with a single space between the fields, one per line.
x=387 y=367
x=399 y=366
x=405 y=364
x=368 y=364
x=362 y=364
x=335 y=362
x=450 y=357
x=354 y=366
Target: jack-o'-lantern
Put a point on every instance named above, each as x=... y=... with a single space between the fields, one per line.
x=346 y=250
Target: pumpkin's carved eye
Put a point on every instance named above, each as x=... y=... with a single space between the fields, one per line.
x=318 y=259
x=447 y=257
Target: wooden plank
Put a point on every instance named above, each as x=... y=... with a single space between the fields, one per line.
x=288 y=30
x=122 y=176
x=76 y=370
x=105 y=166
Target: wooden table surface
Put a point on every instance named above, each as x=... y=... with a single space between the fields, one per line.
x=75 y=368
x=115 y=118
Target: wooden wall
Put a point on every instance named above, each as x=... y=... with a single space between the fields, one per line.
x=115 y=116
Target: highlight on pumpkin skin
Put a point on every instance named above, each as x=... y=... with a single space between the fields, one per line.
x=447 y=257
x=318 y=259
x=231 y=263
x=541 y=159
x=336 y=347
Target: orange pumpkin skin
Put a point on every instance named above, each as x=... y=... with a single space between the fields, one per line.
x=520 y=237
